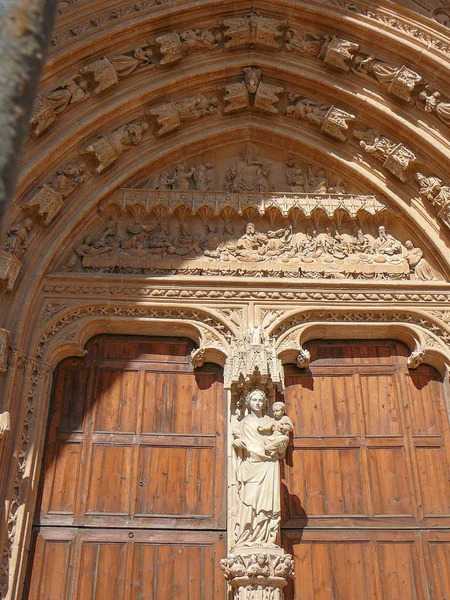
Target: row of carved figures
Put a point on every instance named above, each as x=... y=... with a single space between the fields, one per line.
x=251 y=247
x=253 y=29
x=248 y=174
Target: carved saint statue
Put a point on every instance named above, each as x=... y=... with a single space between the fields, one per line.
x=259 y=441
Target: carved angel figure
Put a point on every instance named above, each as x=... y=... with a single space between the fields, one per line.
x=17 y=237
x=259 y=445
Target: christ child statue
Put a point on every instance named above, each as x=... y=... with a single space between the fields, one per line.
x=277 y=431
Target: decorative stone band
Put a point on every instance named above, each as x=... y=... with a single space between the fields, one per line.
x=262 y=201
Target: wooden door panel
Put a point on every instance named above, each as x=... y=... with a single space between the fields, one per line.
x=176 y=481
x=50 y=572
x=147 y=442
x=329 y=481
x=185 y=404
x=434 y=483
x=357 y=565
x=61 y=497
x=437 y=551
x=110 y=481
x=100 y=570
x=390 y=482
x=127 y=564
x=381 y=405
x=116 y=400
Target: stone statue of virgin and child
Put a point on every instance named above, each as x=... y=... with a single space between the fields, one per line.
x=260 y=441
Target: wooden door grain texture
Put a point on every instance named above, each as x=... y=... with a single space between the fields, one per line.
x=366 y=494
x=133 y=484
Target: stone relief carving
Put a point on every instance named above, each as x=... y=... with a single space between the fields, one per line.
x=105 y=150
x=98 y=21
x=305 y=179
x=5 y=342
x=340 y=53
x=16 y=243
x=433 y=190
x=195 y=293
x=430 y=100
x=306 y=43
x=253 y=29
x=264 y=95
x=174 y=46
x=93 y=79
x=48 y=201
x=171 y=115
x=331 y=120
x=400 y=81
x=182 y=177
x=249 y=173
x=396 y=157
x=253 y=351
x=183 y=244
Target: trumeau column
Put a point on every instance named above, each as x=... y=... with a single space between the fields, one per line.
x=256 y=568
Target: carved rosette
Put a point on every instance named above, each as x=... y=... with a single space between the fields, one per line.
x=259 y=575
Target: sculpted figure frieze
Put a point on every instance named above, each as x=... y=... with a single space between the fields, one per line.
x=226 y=245
x=174 y=46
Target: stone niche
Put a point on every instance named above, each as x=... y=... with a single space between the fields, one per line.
x=247 y=215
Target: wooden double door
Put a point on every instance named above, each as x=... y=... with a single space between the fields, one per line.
x=132 y=502
x=366 y=494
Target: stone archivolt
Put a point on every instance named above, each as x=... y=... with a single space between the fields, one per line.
x=252 y=30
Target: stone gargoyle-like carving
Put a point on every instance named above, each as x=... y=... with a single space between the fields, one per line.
x=415 y=359
x=175 y=46
x=197 y=357
x=396 y=157
x=170 y=115
x=331 y=120
x=239 y=94
x=49 y=199
x=253 y=29
x=106 y=149
x=303 y=358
